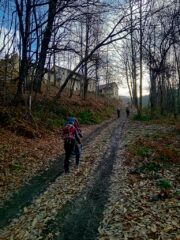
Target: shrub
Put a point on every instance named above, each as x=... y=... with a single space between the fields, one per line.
x=141 y=117
x=16 y=167
x=152 y=166
x=88 y=117
x=164 y=184
x=54 y=123
x=143 y=151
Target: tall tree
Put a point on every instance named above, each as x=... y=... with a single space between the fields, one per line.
x=116 y=32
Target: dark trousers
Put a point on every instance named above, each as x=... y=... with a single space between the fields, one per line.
x=77 y=153
x=68 y=147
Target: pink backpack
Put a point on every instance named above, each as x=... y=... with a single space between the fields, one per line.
x=69 y=132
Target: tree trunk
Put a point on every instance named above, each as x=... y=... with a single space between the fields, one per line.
x=153 y=92
x=44 y=46
x=24 y=32
x=141 y=58
x=133 y=56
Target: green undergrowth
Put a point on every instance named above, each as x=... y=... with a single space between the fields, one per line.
x=16 y=167
x=158 y=147
x=164 y=184
x=49 y=115
x=88 y=117
x=152 y=166
x=155 y=117
x=142 y=117
x=52 y=115
x=142 y=151
x=156 y=156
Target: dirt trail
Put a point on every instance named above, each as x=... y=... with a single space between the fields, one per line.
x=38 y=184
x=54 y=192
x=80 y=219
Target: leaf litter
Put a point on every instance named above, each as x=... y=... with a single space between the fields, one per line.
x=131 y=211
x=35 y=217
x=22 y=158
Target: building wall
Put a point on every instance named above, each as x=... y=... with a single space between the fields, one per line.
x=111 y=90
x=61 y=75
x=92 y=85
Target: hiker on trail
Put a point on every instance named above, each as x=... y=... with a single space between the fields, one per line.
x=127 y=111
x=72 y=142
x=118 y=112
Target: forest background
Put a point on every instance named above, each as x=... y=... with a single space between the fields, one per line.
x=132 y=42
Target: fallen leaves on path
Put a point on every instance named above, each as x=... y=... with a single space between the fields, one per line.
x=137 y=208
x=22 y=158
x=30 y=224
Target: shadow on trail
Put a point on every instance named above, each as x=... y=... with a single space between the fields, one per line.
x=80 y=219
x=38 y=184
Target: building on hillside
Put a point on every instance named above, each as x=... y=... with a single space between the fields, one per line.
x=9 y=69
x=110 y=89
x=57 y=76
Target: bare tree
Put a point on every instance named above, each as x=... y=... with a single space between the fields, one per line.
x=162 y=29
x=119 y=31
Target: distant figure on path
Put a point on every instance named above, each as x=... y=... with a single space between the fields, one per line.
x=127 y=111
x=118 y=112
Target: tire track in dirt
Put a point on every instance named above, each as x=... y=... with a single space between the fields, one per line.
x=39 y=184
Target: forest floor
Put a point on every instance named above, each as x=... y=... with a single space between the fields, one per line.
x=127 y=185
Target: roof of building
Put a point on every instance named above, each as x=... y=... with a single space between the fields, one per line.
x=68 y=70
x=108 y=85
x=76 y=74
